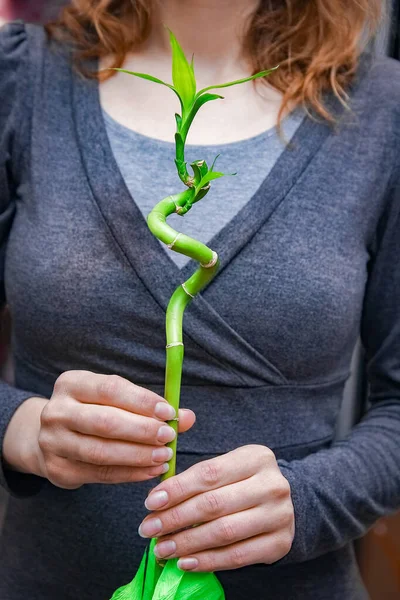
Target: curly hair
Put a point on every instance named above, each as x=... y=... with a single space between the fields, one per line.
x=317 y=43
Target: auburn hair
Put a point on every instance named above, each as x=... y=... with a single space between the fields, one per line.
x=317 y=43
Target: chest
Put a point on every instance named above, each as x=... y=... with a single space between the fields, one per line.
x=149 y=109
x=88 y=284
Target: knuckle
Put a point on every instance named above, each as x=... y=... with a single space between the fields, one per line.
x=280 y=488
x=174 y=519
x=186 y=541
x=52 y=469
x=45 y=442
x=147 y=429
x=110 y=386
x=59 y=476
x=176 y=488
x=54 y=415
x=286 y=516
x=285 y=485
x=226 y=533
x=48 y=416
x=144 y=400
x=265 y=455
x=104 y=424
x=283 y=545
x=209 y=474
x=96 y=454
x=142 y=457
x=63 y=381
x=211 y=504
x=238 y=557
x=105 y=474
x=208 y=563
x=61 y=473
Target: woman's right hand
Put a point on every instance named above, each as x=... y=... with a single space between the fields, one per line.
x=94 y=429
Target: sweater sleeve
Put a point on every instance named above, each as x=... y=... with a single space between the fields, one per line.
x=340 y=492
x=13 y=59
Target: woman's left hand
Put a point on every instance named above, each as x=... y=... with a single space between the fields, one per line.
x=241 y=506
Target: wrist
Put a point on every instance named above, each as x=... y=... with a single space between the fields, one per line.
x=21 y=450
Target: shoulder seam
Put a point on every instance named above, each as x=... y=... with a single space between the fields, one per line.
x=26 y=75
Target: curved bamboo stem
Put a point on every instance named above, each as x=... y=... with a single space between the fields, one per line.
x=183 y=295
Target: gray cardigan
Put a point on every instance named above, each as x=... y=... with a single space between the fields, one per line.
x=308 y=264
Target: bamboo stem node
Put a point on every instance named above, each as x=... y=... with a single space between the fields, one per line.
x=187 y=291
x=172 y=244
x=172 y=344
x=212 y=262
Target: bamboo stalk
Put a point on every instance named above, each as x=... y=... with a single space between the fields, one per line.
x=198 y=185
x=180 y=299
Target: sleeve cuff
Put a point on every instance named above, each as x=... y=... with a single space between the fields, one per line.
x=298 y=551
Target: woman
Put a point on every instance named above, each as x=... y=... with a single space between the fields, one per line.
x=308 y=235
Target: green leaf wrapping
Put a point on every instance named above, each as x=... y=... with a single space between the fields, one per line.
x=182 y=74
x=153 y=582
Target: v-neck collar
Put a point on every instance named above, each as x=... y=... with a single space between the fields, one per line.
x=157 y=271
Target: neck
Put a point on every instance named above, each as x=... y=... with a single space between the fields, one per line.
x=213 y=30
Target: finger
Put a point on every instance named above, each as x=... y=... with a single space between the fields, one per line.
x=211 y=474
x=107 y=453
x=264 y=548
x=116 y=424
x=218 y=533
x=205 y=507
x=73 y=474
x=112 y=390
x=187 y=419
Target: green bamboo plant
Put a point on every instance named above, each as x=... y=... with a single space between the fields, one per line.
x=156 y=579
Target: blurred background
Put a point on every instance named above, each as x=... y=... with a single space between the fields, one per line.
x=379 y=551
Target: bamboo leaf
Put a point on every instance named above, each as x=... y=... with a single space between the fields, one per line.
x=182 y=73
x=214 y=161
x=209 y=177
x=150 y=78
x=143 y=76
x=238 y=81
x=195 y=108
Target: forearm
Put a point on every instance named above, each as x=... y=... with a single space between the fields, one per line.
x=340 y=492
x=21 y=451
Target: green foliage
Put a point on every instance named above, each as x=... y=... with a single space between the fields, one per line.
x=168 y=583
x=237 y=82
x=182 y=74
x=184 y=86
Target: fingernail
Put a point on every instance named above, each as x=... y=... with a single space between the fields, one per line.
x=149 y=528
x=165 y=468
x=165 y=548
x=187 y=564
x=162 y=454
x=166 y=434
x=156 y=500
x=164 y=411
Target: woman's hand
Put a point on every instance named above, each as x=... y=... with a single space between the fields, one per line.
x=94 y=429
x=240 y=503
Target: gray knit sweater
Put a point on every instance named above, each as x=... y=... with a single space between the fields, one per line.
x=139 y=156
x=308 y=264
